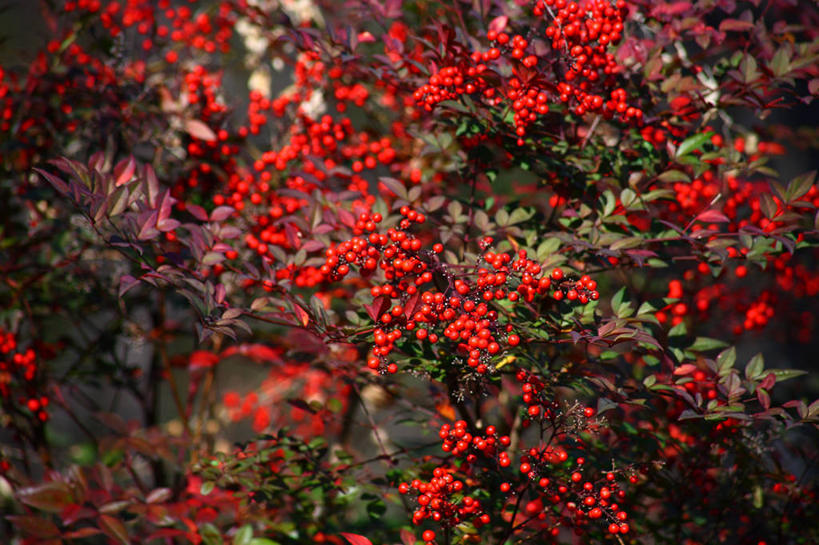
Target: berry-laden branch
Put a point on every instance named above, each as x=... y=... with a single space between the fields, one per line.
x=422 y=298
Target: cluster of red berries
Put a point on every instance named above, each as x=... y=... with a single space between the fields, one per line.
x=318 y=147
x=397 y=252
x=460 y=443
x=443 y=499
x=581 y=31
x=584 y=500
x=450 y=82
x=18 y=377
x=205 y=32
x=584 y=31
x=541 y=407
x=461 y=313
x=581 y=290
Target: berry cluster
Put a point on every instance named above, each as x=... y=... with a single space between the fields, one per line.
x=581 y=32
x=461 y=312
x=450 y=82
x=460 y=443
x=18 y=378
x=585 y=30
x=443 y=499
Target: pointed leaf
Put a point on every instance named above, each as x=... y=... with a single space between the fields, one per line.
x=356 y=539
x=200 y=130
x=693 y=143
x=114 y=528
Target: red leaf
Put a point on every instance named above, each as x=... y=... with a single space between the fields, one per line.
x=81 y=533
x=199 y=130
x=113 y=528
x=356 y=539
x=58 y=184
x=167 y=224
x=379 y=306
x=302 y=315
x=413 y=304
x=50 y=496
x=260 y=353
x=407 y=537
x=124 y=171
x=685 y=369
x=735 y=25
x=768 y=381
x=313 y=245
x=498 y=23
x=713 y=216
x=35 y=526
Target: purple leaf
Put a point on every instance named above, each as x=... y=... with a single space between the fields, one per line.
x=151 y=185
x=221 y=213
x=58 y=183
x=126 y=282
x=197 y=211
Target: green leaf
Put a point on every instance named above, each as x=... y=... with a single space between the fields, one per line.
x=726 y=360
x=748 y=68
x=693 y=143
x=754 y=368
x=207 y=488
x=781 y=62
x=674 y=176
x=701 y=344
x=767 y=205
x=502 y=218
x=263 y=541
x=627 y=197
x=618 y=298
x=244 y=535
x=520 y=215
x=785 y=374
x=376 y=509
x=547 y=247
x=626 y=243
x=678 y=330
x=800 y=185
x=757 y=497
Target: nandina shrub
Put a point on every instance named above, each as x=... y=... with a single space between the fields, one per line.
x=410 y=272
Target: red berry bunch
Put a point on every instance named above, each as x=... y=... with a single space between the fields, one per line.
x=581 y=290
x=396 y=252
x=584 y=500
x=461 y=312
x=443 y=499
x=450 y=82
x=460 y=443
x=584 y=31
x=18 y=378
x=581 y=32
x=540 y=406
